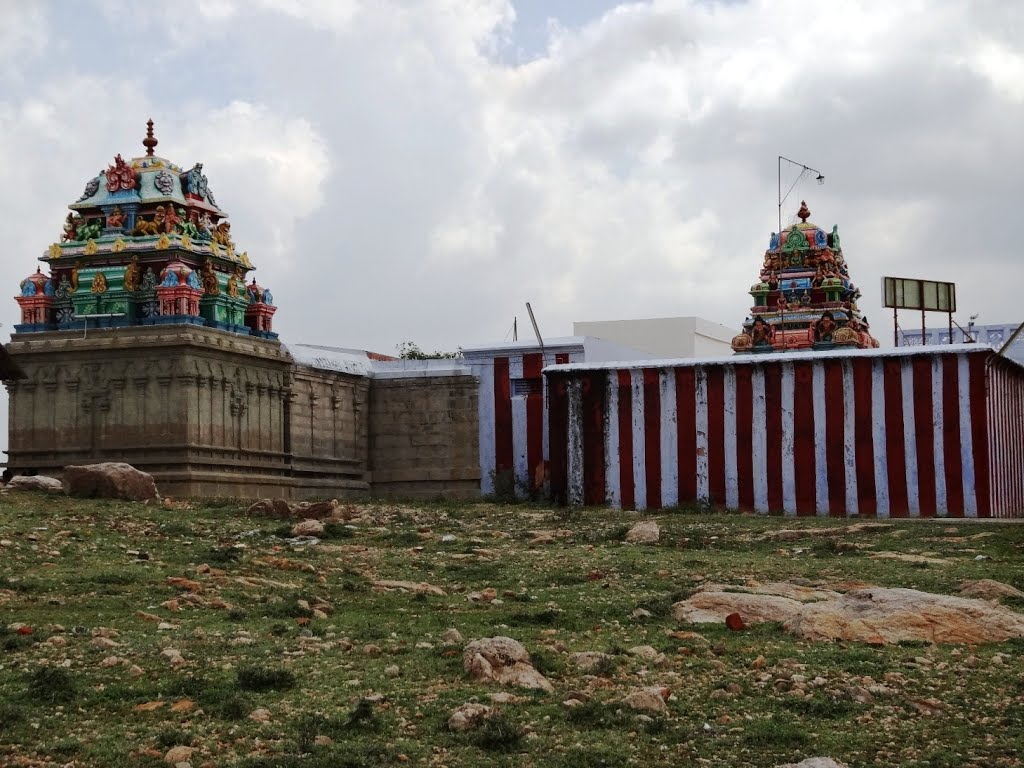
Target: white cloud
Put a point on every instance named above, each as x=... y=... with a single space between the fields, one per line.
x=265 y=169
x=387 y=153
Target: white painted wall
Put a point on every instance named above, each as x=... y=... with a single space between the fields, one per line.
x=663 y=337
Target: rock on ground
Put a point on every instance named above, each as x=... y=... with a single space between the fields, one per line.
x=277 y=508
x=794 y=534
x=644 y=532
x=178 y=755
x=308 y=528
x=648 y=700
x=781 y=588
x=502 y=660
x=815 y=762
x=988 y=589
x=36 y=483
x=880 y=616
x=588 y=661
x=318 y=510
x=420 y=587
x=109 y=480
x=451 y=636
x=467 y=717
x=713 y=607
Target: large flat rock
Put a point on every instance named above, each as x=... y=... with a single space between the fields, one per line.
x=880 y=616
x=713 y=607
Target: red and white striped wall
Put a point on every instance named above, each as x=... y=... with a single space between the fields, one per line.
x=514 y=426
x=1006 y=436
x=892 y=433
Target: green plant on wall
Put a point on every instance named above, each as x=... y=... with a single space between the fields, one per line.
x=410 y=350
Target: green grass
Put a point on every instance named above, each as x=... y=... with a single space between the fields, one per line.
x=253 y=637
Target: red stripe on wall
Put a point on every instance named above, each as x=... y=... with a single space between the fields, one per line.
x=593 y=403
x=745 y=436
x=716 y=433
x=558 y=437
x=804 y=470
x=652 y=436
x=627 y=487
x=502 y=416
x=951 y=435
x=862 y=438
x=686 y=420
x=864 y=450
x=979 y=431
x=532 y=365
x=773 y=428
x=835 y=408
x=895 y=451
x=924 y=427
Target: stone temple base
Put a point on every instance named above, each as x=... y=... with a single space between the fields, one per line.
x=206 y=412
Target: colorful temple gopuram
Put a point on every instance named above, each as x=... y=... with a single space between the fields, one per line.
x=146 y=244
x=805 y=298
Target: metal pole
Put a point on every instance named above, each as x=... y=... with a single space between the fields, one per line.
x=1010 y=340
x=536 y=330
x=924 y=335
x=895 y=329
x=779 y=197
x=950 y=327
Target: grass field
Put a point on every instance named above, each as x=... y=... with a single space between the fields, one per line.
x=288 y=656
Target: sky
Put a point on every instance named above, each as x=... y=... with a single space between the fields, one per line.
x=417 y=171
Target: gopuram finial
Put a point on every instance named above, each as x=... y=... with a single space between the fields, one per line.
x=804 y=213
x=150 y=141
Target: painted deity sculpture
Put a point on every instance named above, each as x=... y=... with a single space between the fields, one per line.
x=804 y=298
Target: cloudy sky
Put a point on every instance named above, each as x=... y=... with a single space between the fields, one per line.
x=403 y=170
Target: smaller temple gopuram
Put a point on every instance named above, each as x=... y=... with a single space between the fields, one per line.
x=146 y=244
x=804 y=298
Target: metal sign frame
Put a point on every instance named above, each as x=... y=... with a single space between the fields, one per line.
x=918 y=295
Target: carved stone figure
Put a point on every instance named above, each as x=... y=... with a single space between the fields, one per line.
x=762 y=333
x=120 y=176
x=210 y=285
x=170 y=220
x=132 y=275
x=824 y=328
x=144 y=228
x=115 y=219
x=222 y=234
x=236 y=283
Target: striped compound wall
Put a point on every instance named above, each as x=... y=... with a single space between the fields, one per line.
x=513 y=414
x=904 y=432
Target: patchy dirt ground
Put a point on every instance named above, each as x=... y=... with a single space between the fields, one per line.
x=191 y=634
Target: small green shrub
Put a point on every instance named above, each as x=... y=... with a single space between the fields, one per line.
x=174 y=737
x=52 y=685
x=253 y=678
x=774 y=733
x=497 y=733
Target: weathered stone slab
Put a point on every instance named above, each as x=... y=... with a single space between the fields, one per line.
x=36 y=483
x=109 y=480
x=880 y=616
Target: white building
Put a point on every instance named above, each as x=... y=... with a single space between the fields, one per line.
x=993 y=335
x=666 y=337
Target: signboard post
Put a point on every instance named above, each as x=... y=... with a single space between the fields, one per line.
x=924 y=295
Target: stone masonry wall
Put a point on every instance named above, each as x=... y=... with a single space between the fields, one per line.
x=202 y=410
x=327 y=413
x=424 y=437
